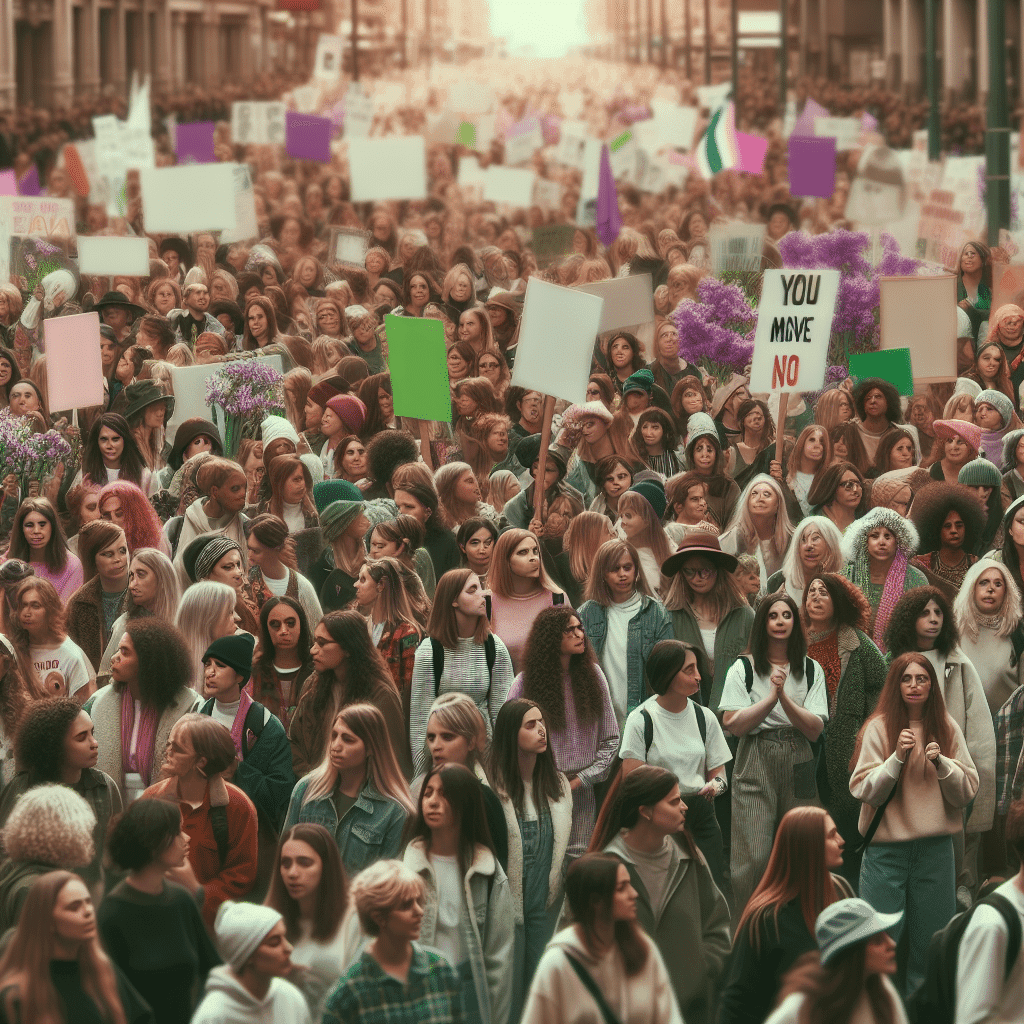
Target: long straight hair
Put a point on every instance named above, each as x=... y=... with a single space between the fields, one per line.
x=393 y=606
x=585 y=533
x=132 y=462
x=500 y=576
x=741 y=526
x=607 y=557
x=55 y=554
x=451 y=510
x=332 y=890
x=441 y=624
x=653 y=535
x=797 y=870
x=367 y=722
x=281 y=468
x=796 y=454
x=796 y=645
x=26 y=963
x=200 y=609
x=265 y=653
x=505 y=772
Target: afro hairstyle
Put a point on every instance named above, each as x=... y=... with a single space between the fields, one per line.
x=934 y=502
x=893 y=411
x=386 y=451
x=901 y=631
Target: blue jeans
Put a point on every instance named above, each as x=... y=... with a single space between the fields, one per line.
x=916 y=878
x=538 y=923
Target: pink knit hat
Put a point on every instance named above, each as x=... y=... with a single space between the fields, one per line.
x=969 y=433
x=351 y=411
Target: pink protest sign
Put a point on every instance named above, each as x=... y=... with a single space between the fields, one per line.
x=73 y=365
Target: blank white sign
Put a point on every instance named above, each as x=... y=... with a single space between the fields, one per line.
x=111 y=254
x=394 y=168
x=192 y=197
x=628 y=301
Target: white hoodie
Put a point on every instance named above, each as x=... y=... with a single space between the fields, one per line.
x=227 y=1001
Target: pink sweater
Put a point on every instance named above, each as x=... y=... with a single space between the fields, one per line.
x=512 y=618
x=66 y=582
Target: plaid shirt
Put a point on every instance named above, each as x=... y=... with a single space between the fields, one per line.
x=1009 y=743
x=369 y=995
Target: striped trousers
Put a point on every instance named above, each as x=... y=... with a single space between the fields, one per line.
x=774 y=772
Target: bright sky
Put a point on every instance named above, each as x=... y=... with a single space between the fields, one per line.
x=550 y=27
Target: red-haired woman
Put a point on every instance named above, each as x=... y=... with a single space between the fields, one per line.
x=124 y=505
x=912 y=762
x=777 y=925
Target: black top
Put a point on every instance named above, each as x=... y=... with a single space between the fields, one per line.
x=443 y=550
x=497 y=824
x=169 y=973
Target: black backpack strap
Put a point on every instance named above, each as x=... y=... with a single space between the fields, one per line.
x=206 y=708
x=809 y=672
x=219 y=824
x=1012 y=918
x=557 y=599
x=865 y=842
x=648 y=731
x=1017 y=639
x=591 y=986
x=255 y=719
x=174 y=533
x=491 y=654
x=437 y=649
x=487 y=605
x=748 y=672
x=702 y=722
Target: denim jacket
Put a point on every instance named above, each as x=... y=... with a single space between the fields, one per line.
x=370 y=831
x=651 y=624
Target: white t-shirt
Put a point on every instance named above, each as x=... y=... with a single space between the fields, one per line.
x=448 y=935
x=277 y=587
x=293 y=518
x=613 y=657
x=736 y=698
x=676 y=746
x=68 y=660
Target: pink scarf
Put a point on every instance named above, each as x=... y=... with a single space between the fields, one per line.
x=142 y=760
x=245 y=702
x=893 y=590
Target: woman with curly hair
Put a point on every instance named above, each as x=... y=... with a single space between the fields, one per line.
x=125 y=505
x=56 y=744
x=562 y=676
x=878 y=548
x=149 y=691
x=348 y=669
x=111 y=453
x=51 y=827
x=877 y=403
x=760 y=526
x=949 y=522
x=912 y=745
x=37 y=538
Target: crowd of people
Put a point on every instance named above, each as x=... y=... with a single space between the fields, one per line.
x=689 y=716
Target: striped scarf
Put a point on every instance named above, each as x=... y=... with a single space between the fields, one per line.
x=891 y=592
x=141 y=761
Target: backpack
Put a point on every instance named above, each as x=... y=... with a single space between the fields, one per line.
x=702 y=726
x=934 y=1002
x=490 y=653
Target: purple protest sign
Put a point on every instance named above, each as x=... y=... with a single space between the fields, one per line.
x=194 y=142
x=805 y=122
x=308 y=137
x=29 y=184
x=812 y=165
x=8 y=183
x=609 y=220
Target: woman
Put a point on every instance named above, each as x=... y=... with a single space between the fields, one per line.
x=475 y=330
x=847 y=446
x=146 y=843
x=923 y=622
x=774 y=697
x=192 y=437
x=402 y=538
x=164 y=295
x=93 y=608
x=835 y=615
x=329 y=318
x=899 y=756
x=281 y=662
x=460 y=360
x=895 y=451
x=149 y=692
x=686 y=499
x=83 y=504
x=38 y=539
x=678 y=904
x=376 y=394
x=123 y=504
x=959 y=443
x=520 y=589
x=262 y=332
x=112 y=453
x=777 y=924
x=27 y=399
x=219 y=559
x=949 y=523
x=458 y=287
x=521 y=511
x=348 y=670
x=79 y=982
x=806 y=464
x=395 y=631
x=469 y=911
x=537 y=802
x=309 y=890
x=817 y=546
x=991 y=369
x=625 y=357
x=878 y=549
x=562 y=675
x=495 y=370
x=704 y=456
x=343 y=524
x=760 y=526
x=459 y=652
x=357 y=792
x=623 y=622
x=416 y=496
x=219 y=819
x=224 y=485
x=273 y=570
x=600 y=435
x=751 y=445
x=417 y=290
x=205 y=613
x=640 y=525
x=471 y=397
x=974 y=283
x=147 y=410
x=877 y=403
x=654 y=437
x=840 y=495
x=476 y=539
x=291 y=493
x=55 y=663
x=349 y=460
x=344 y=417
x=603 y=966
x=458 y=495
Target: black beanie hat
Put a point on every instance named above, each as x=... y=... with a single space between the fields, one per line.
x=236 y=651
x=667 y=657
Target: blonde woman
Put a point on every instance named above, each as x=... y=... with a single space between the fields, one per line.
x=357 y=792
x=817 y=546
x=458 y=494
x=760 y=526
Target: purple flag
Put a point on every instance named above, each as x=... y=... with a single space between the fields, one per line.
x=805 y=122
x=308 y=137
x=29 y=184
x=194 y=141
x=812 y=166
x=609 y=220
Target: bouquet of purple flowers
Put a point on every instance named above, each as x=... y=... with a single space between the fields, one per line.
x=716 y=332
x=246 y=391
x=32 y=458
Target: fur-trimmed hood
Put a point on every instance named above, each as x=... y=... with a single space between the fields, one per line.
x=902 y=529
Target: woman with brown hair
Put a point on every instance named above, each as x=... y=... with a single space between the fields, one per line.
x=291 y=494
x=840 y=495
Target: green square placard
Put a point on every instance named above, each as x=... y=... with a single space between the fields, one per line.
x=891 y=364
x=419 y=367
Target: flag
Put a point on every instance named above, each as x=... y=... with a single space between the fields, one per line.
x=717 y=149
x=609 y=221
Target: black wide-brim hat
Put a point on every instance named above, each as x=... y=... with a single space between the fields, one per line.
x=699 y=544
x=120 y=299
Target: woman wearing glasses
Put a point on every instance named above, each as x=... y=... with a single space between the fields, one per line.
x=840 y=495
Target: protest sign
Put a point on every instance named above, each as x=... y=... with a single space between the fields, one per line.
x=1007 y=284
x=108 y=255
x=188 y=385
x=196 y=197
x=571 y=316
x=919 y=313
x=522 y=140
x=348 y=245
x=74 y=367
x=845 y=130
x=551 y=242
x=892 y=364
x=794 y=327
x=358 y=113
x=40 y=217
x=258 y=123
x=194 y=141
x=572 y=143
x=736 y=246
x=628 y=301
x=941 y=231
x=392 y=168
x=419 y=370
x=329 y=55
x=812 y=165
x=512 y=185
x=308 y=137
x=547 y=194
x=246 y=226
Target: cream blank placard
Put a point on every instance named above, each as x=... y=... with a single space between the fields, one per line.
x=194 y=197
x=628 y=301
x=919 y=313
x=188 y=385
x=556 y=340
x=74 y=367
x=388 y=168
x=110 y=254
x=512 y=185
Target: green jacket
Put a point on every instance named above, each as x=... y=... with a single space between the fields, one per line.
x=731 y=641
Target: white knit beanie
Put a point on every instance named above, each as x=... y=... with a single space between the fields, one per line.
x=276 y=427
x=315 y=466
x=240 y=928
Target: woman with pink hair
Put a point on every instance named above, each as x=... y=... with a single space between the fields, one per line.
x=125 y=505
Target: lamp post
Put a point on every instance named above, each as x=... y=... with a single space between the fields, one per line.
x=931 y=81
x=997 y=135
x=707 y=42
x=355 y=40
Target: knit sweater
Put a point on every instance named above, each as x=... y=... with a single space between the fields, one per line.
x=67 y=580
x=512 y=619
x=930 y=796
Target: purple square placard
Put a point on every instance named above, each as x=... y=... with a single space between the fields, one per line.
x=308 y=137
x=812 y=166
x=194 y=141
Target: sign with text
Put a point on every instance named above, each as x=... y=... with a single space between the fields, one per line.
x=258 y=123
x=794 y=325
